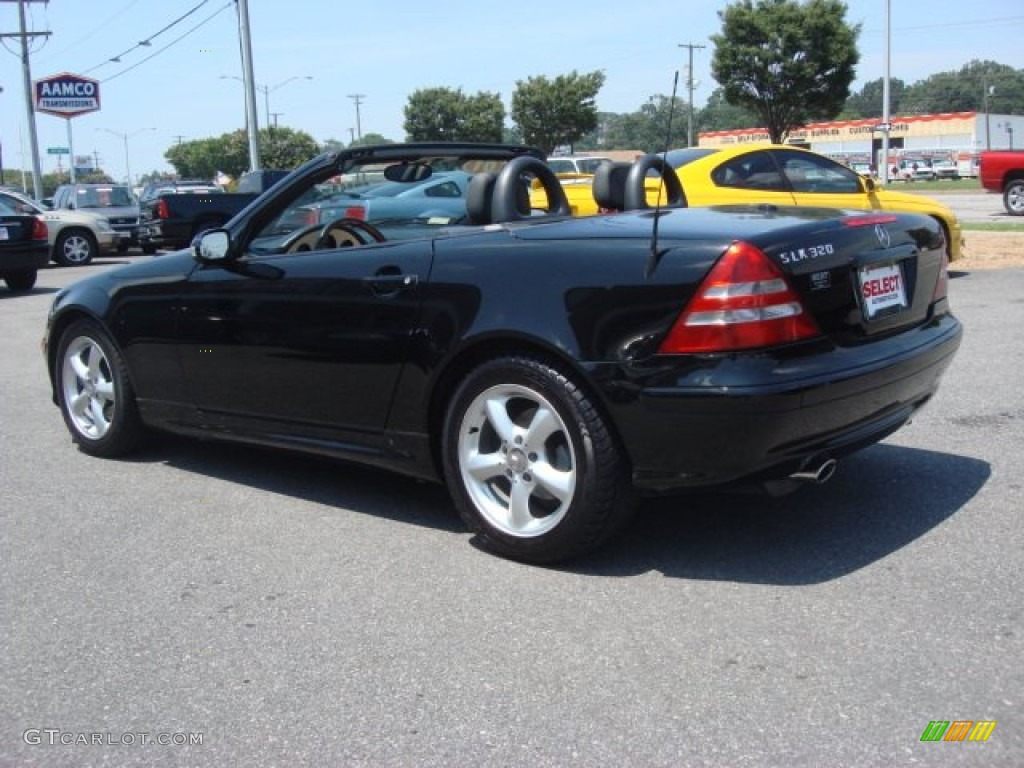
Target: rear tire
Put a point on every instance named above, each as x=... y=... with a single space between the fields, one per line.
x=1013 y=197
x=74 y=248
x=530 y=463
x=94 y=393
x=20 y=282
x=149 y=250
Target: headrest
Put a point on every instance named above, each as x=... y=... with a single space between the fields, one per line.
x=610 y=185
x=479 y=194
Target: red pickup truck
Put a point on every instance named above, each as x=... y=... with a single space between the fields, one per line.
x=1002 y=170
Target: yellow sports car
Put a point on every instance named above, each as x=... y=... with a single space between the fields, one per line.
x=766 y=174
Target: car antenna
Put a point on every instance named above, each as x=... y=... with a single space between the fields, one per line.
x=652 y=262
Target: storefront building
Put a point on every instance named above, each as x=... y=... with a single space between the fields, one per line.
x=957 y=136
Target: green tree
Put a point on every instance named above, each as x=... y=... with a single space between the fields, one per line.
x=280 y=147
x=719 y=115
x=867 y=102
x=446 y=114
x=552 y=113
x=369 y=139
x=789 y=62
x=284 y=148
x=965 y=90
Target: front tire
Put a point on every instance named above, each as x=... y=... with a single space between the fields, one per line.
x=1013 y=197
x=531 y=464
x=94 y=393
x=74 y=248
x=19 y=282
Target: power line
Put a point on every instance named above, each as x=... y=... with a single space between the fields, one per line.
x=173 y=42
x=148 y=41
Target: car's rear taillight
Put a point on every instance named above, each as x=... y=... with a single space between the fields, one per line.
x=161 y=211
x=39 y=230
x=743 y=303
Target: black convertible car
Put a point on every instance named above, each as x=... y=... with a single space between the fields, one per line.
x=547 y=369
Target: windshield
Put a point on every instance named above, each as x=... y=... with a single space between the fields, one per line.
x=21 y=204
x=104 y=197
x=677 y=158
x=362 y=194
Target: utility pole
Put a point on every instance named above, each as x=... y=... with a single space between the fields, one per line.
x=250 y=84
x=30 y=114
x=358 y=99
x=689 y=87
x=886 y=97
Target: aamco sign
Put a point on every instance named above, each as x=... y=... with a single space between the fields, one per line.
x=67 y=95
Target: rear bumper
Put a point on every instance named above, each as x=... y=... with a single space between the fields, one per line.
x=719 y=421
x=161 y=236
x=26 y=259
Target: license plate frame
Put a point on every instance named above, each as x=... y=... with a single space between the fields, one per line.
x=882 y=289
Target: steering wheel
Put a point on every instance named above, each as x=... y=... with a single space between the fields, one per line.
x=303 y=239
x=346 y=232
x=636 y=187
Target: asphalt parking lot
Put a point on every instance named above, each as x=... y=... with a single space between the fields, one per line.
x=292 y=611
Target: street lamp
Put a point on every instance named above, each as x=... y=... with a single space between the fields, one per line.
x=124 y=138
x=266 y=90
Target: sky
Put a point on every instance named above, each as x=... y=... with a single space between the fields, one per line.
x=312 y=56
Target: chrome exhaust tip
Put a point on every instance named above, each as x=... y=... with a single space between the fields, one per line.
x=819 y=474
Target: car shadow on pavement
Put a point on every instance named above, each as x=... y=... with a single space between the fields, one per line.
x=365 y=490
x=36 y=291
x=879 y=501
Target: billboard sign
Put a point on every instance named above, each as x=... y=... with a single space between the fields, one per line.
x=66 y=95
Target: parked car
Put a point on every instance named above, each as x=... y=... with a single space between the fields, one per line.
x=173 y=213
x=576 y=164
x=443 y=195
x=75 y=237
x=776 y=175
x=913 y=169
x=946 y=168
x=179 y=186
x=1002 y=171
x=116 y=202
x=546 y=368
x=24 y=249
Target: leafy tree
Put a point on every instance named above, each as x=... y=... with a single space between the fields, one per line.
x=369 y=139
x=285 y=148
x=719 y=115
x=444 y=114
x=155 y=175
x=965 y=90
x=867 y=102
x=551 y=113
x=279 y=148
x=791 y=63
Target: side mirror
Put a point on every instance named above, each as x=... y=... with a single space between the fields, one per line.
x=47 y=203
x=869 y=184
x=212 y=245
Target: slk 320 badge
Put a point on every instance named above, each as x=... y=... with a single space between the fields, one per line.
x=811 y=252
